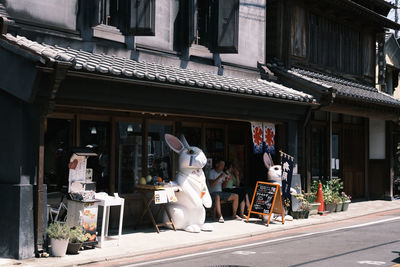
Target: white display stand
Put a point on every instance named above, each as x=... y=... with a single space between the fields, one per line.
x=108 y=201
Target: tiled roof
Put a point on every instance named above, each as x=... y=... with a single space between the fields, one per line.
x=346 y=88
x=127 y=68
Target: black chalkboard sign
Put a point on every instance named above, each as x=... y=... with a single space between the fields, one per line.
x=267 y=199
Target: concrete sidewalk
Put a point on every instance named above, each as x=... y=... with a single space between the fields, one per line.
x=146 y=241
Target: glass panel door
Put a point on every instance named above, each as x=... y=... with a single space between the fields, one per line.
x=129 y=155
x=57 y=143
x=97 y=135
x=159 y=158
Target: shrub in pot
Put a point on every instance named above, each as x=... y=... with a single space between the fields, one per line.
x=304 y=210
x=346 y=199
x=76 y=239
x=58 y=233
x=339 y=203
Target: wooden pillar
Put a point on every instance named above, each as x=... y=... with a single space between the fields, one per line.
x=144 y=148
x=111 y=183
x=366 y=143
x=389 y=161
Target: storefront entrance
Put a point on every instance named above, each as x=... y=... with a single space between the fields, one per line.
x=338 y=150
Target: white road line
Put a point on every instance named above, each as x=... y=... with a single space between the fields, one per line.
x=259 y=243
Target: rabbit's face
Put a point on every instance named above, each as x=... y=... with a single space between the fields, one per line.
x=192 y=158
x=275 y=173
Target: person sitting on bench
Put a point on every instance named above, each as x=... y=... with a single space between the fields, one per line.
x=216 y=181
x=234 y=186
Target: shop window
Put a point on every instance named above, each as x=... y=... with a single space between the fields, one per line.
x=215 y=143
x=97 y=135
x=192 y=135
x=318 y=151
x=213 y=24
x=57 y=145
x=129 y=155
x=159 y=157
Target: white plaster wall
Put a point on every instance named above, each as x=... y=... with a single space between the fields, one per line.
x=57 y=13
x=252 y=15
x=166 y=12
x=377 y=137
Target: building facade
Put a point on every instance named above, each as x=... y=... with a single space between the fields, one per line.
x=118 y=75
x=330 y=50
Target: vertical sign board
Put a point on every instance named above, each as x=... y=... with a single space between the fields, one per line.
x=267 y=199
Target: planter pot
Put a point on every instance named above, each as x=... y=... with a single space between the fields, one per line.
x=346 y=205
x=58 y=247
x=301 y=214
x=314 y=208
x=73 y=248
x=339 y=207
x=331 y=207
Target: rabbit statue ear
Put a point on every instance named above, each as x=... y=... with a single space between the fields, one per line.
x=268 y=160
x=184 y=142
x=174 y=143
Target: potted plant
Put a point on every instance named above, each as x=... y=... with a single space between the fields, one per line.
x=311 y=197
x=76 y=239
x=58 y=233
x=304 y=210
x=346 y=199
x=339 y=203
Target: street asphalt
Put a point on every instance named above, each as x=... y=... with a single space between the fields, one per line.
x=371 y=243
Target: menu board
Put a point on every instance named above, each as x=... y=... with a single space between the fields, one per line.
x=264 y=197
x=267 y=199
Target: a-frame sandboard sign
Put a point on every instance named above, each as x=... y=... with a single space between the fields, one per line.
x=267 y=199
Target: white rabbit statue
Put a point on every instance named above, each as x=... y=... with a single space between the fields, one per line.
x=275 y=177
x=188 y=212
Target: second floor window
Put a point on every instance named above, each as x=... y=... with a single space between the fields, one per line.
x=108 y=12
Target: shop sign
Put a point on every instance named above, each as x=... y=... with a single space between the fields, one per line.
x=287 y=173
x=263 y=136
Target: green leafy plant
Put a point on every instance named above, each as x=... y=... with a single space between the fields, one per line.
x=331 y=189
x=305 y=204
x=58 y=230
x=77 y=235
x=345 y=197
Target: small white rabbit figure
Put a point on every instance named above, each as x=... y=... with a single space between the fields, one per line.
x=275 y=177
x=188 y=213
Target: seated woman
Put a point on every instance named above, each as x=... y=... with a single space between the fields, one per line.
x=233 y=186
x=216 y=179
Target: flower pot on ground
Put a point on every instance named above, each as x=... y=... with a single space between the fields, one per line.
x=77 y=237
x=59 y=235
x=314 y=208
x=331 y=207
x=300 y=214
x=346 y=201
x=339 y=206
x=346 y=205
x=304 y=210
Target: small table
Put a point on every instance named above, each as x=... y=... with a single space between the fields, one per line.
x=144 y=190
x=107 y=202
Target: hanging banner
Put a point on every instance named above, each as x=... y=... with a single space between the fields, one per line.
x=287 y=173
x=269 y=138
x=257 y=135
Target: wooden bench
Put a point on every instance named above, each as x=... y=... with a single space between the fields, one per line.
x=223 y=203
